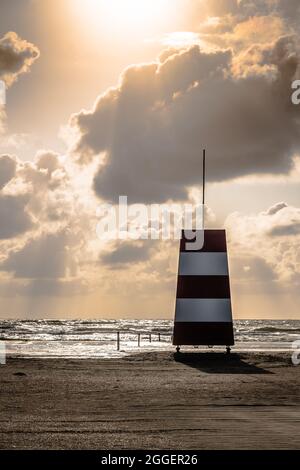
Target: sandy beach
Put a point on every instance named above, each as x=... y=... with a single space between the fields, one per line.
x=152 y=401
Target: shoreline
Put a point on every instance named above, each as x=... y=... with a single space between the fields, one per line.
x=151 y=400
x=92 y=349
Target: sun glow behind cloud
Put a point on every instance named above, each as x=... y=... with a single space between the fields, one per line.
x=124 y=16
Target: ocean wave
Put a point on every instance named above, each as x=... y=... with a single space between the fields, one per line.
x=275 y=329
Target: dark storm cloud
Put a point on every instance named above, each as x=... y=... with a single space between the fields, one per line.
x=16 y=57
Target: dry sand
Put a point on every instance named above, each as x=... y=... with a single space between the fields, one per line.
x=151 y=401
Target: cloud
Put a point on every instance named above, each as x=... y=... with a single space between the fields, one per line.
x=42 y=231
x=15 y=220
x=251 y=269
x=34 y=191
x=276 y=208
x=48 y=161
x=290 y=10
x=286 y=230
x=48 y=219
x=7 y=169
x=144 y=138
x=54 y=287
x=41 y=288
x=16 y=57
x=265 y=249
x=148 y=133
x=122 y=255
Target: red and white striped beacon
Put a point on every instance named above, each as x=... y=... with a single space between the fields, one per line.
x=203 y=314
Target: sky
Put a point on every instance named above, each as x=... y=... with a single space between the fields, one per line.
x=118 y=97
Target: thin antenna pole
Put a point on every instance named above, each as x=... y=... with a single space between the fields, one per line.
x=203 y=175
x=203 y=187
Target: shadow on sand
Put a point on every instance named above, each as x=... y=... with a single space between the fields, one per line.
x=218 y=363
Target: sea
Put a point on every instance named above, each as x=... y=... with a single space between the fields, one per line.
x=99 y=338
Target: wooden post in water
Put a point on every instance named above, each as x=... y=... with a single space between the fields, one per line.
x=118 y=341
x=203 y=176
x=150 y=338
x=139 y=339
x=159 y=337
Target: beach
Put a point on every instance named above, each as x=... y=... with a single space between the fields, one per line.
x=151 y=400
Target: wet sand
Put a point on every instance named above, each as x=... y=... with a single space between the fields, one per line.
x=151 y=401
